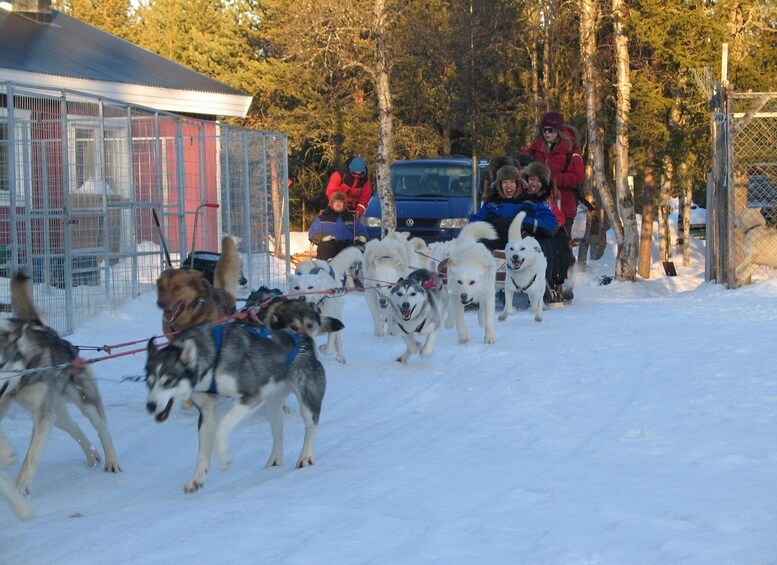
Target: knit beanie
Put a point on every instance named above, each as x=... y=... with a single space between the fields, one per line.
x=552 y=120
x=358 y=165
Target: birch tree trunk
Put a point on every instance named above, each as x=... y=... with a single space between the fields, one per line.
x=385 y=122
x=628 y=250
x=589 y=19
x=684 y=213
x=664 y=237
x=649 y=192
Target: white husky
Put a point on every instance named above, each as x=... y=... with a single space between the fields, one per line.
x=385 y=262
x=526 y=265
x=472 y=279
x=759 y=243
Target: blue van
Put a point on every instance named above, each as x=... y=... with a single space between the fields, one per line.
x=433 y=197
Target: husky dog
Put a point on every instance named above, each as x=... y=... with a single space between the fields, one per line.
x=21 y=507
x=252 y=364
x=418 y=306
x=526 y=265
x=297 y=316
x=187 y=298
x=385 y=262
x=472 y=279
x=316 y=281
x=27 y=343
x=759 y=243
x=348 y=266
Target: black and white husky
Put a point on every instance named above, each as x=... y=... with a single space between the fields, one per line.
x=249 y=363
x=40 y=373
x=419 y=304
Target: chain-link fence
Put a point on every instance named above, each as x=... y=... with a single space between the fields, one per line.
x=742 y=196
x=97 y=197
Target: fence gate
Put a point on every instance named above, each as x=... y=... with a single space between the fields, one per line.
x=744 y=176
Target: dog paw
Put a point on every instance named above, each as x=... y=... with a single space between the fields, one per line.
x=92 y=458
x=24 y=486
x=464 y=339
x=112 y=467
x=274 y=461
x=340 y=359
x=304 y=462
x=489 y=340
x=502 y=316
x=23 y=508
x=402 y=359
x=192 y=486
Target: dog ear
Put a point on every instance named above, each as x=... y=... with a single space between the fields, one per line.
x=329 y=324
x=152 y=348
x=189 y=354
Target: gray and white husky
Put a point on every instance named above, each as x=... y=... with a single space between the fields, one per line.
x=418 y=306
x=27 y=344
x=249 y=363
x=526 y=265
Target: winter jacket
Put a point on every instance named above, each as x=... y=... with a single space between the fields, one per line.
x=338 y=226
x=566 y=169
x=539 y=219
x=548 y=203
x=358 y=191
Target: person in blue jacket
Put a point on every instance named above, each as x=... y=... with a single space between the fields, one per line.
x=501 y=208
x=336 y=228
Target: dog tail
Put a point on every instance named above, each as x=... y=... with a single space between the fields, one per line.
x=515 y=227
x=342 y=262
x=21 y=298
x=476 y=231
x=227 y=273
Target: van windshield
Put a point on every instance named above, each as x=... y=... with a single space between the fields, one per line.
x=425 y=180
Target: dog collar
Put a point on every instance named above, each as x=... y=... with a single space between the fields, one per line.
x=525 y=288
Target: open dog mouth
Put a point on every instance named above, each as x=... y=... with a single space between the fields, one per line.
x=465 y=299
x=162 y=416
x=406 y=312
x=517 y=262
x=172 y=313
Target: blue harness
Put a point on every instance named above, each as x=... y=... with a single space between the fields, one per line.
x=264 y=333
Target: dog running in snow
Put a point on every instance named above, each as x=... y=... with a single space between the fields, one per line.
x=187 y=298
x=27 y=343
x=418 y=306
x=247 y=362
x=472 y=279
x=526 y=264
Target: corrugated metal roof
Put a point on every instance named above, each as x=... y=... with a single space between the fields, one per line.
x=70 y=48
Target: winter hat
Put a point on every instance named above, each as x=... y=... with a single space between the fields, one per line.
x=539 y=170
x=524 y=159
x=358 y=165
x=338 y=196
x=552 y=120
x=508 y=172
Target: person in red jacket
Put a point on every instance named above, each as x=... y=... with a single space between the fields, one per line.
x=354 y=183
x=555 y=145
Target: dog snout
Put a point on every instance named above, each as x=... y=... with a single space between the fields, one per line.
x=151 y=407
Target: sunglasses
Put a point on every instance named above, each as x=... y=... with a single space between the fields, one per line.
x=549 y=130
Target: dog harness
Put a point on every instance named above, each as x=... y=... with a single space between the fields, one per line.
x=264 y=333
x=525 y=288
x=316 y=270
x=417 y=330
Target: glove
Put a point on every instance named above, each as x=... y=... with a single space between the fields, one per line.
x=361 y=239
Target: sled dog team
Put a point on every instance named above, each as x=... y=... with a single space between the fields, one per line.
x=257 y=359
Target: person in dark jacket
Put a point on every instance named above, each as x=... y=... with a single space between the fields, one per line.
x=555 y=246
x=336 y=228
x=354 y=183
x=500 y=208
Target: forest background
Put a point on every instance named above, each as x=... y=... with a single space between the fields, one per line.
x=466 y=76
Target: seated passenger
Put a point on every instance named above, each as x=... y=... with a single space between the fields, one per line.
x=335 y=228
x=555 y=246
x=500 y=208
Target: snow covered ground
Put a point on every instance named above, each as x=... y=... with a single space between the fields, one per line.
x=635 y=426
